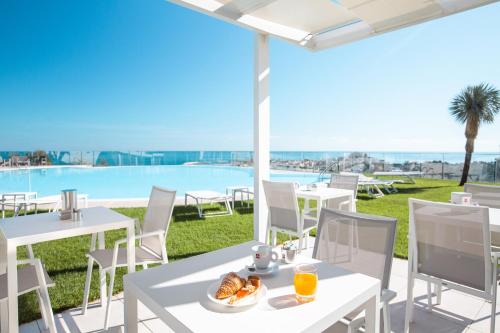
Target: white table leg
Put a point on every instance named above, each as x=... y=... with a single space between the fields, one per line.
x=130 y=310
x=131 y=248
x=319 y=205
x=306 y=206
x=4 y=310
x=102 y=273
x=372 y=324
x=13 y=322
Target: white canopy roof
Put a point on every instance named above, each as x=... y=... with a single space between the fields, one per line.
x=321 y=24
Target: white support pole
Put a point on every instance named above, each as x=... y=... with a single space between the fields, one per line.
x=261 y=134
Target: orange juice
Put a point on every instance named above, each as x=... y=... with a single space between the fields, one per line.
x=305 y=282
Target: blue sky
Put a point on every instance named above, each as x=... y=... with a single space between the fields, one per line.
x=144 y=75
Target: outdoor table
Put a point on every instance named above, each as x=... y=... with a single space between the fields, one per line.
x=494 y=219
x=32 y=229
x=176 y=293
x=322 y=194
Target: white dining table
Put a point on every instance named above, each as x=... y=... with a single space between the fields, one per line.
x=494 y=219
x=177 y=294
x=32 y=229
x=322 y=194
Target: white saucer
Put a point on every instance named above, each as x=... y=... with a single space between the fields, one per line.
x=251 y=269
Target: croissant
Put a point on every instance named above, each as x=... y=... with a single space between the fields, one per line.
x=229 y=286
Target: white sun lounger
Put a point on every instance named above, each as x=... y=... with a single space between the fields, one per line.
x=372 y=185
x=243 y=190
x=404 y=174
x=211 y=197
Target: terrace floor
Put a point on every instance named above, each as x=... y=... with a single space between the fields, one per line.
x=457 y=313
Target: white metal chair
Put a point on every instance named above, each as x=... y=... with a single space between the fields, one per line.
x=372 y=256
x=284 y=213
x=32 y=276
x=484 y=195
x=344 y=182
x=450 y=245
x=151 y=249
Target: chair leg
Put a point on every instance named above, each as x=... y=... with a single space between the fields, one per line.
x=301 y=241
x=438 y=290
x=429 y=296
x=102 y=286
x=228 y=207
x=409 y=302
x=86 y=290
x=45 y=303
x=494 y=298
x=43 y=311
x=274 y=236
x=110 y=296
x=386 y=314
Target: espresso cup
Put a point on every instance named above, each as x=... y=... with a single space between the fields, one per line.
x=263 y=255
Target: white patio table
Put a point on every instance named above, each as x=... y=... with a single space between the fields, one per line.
x=322 y=194
x=494 y=219
x=176 y=293
x=31 y=229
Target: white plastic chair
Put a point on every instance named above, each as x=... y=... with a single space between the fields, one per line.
x=344 y=182
x=31 y=277
x=151 y=249
x=284 y=213
x=372 y=255
x=450 y=245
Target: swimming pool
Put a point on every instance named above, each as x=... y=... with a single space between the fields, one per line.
x=135 y=181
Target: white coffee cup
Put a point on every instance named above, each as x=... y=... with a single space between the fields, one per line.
x=263 y=255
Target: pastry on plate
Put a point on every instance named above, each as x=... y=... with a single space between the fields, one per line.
x=229 y=286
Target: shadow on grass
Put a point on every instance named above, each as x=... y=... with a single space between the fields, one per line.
x=401 y=190
x=412 y=190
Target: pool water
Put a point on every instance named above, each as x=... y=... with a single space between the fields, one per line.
x=136 y=181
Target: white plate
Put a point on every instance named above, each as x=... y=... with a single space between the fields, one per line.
x=273 y=266
x=248 y=301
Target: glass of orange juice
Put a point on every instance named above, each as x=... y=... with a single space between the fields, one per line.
x=305 y=281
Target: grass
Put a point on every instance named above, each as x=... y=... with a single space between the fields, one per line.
x=188 y=235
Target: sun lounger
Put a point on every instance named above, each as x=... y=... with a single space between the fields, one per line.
x=209 y=196
x=243 y=190
x=372 y=185
x=5 y=163
x=408 y=175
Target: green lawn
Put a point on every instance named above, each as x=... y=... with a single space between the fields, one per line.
x=188 y=235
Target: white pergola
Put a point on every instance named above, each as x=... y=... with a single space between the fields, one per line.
x=314 y=25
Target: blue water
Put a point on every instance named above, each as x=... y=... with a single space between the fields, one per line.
x=136 y=181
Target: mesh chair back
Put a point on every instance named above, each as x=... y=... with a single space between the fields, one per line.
x=345 y=182
x=451 y=242
x=157 y=217
x=282 y=204
x=357 y=242
x=484 y=195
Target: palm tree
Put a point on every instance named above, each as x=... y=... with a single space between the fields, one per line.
x=473 y=106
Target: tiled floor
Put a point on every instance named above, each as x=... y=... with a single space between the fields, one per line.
x=457 y=313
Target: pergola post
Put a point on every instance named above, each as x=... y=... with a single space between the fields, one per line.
x=260 y=134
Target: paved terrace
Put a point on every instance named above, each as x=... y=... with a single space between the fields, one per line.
x=457 y=313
